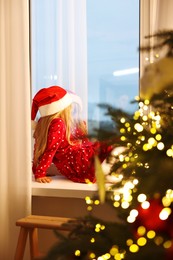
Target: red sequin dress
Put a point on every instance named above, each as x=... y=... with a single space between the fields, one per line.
x=76 y=162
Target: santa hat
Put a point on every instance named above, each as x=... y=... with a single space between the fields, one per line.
x=51 y=100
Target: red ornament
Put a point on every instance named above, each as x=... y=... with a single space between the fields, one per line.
x=149 y=218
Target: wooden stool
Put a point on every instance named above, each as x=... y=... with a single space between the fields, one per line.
x=29 y=225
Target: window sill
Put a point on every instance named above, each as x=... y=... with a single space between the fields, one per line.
x=62 y=187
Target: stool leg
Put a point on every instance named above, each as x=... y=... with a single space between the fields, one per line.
x=33 y=237
x=20 y=249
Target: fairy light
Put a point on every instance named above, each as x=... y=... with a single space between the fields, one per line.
x=122 y=120
x=145 y=147
x=129 y=242
x=142 y=138
x=77 y=253
x=135 y=155
x=151 y=234
x=122 y=130
x=157 y=118
x=166 y=201
x=145 y=118
x=99 y=227
x=96 y=202
x=102 y=227
x=142 y=241
x=138 y=142
x=141 y=111
x=169 y=152
x=158 y=137
x=145 y=107
x=134 y=248
x=104 y=257
x=119 y=256
x=92 y=255
x=168 y=198
x=92 y=240
x=146 y=102
x=153 y=130
x=135 y=182
x=114 y=250
x=160 y=146
x=141 y=197
x=138 y=127
x=156 y=121
x=167 y=244
x=132 y=217
x=152 y=114
x=141 y=104
x=158 y=240
x=152 y=141
x=117 y=197
x=127 y=159
x=127 y=124
x=125 y=204
x=89 y=208
x=123 y=138
x=141 y=230
x=116 y=204
x=164 y=214
x=145 y=205
x=121 y=158
x=136 y=115
x=137 y=98
x=88 y=200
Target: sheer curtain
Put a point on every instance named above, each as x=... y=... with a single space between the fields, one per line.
x=15 y=140
x=59 y=46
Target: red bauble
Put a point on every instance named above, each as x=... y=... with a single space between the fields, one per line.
x=149 y=218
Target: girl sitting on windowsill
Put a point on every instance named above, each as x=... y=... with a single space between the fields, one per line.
x=62 y=140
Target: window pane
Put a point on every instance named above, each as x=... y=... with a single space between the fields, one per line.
x=112 y=45
x=113 y=41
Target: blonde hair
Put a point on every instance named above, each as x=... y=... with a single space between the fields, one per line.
x=42 y=128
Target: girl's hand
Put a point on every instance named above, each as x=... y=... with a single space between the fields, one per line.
x=44 y=179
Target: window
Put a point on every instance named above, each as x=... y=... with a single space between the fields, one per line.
x=113 y=58
x=90 y=47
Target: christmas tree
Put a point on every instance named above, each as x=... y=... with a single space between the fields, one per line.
x=143 y=197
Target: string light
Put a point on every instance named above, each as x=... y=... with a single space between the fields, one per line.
x=77 y=253
x=169 y=152
x=151 y=234
x=158 y=240
x=142 y=241
x=138 y=127
x=92 y=255
x=164 y=214
x=141 y=197
x=160 y=146
x=141 y=230
x=122 y=120
x=134 y=248
x=167 y=244
x=92 y=240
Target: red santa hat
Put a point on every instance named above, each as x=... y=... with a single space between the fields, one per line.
x=51 y=100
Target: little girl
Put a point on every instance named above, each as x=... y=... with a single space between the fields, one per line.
x=61 y=140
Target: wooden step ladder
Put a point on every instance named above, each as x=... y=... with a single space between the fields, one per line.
x=29 y=226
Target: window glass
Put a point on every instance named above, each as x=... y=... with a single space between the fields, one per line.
x=113 y=57
x=111 y=32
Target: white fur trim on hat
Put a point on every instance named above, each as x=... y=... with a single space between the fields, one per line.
x=55 y=106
